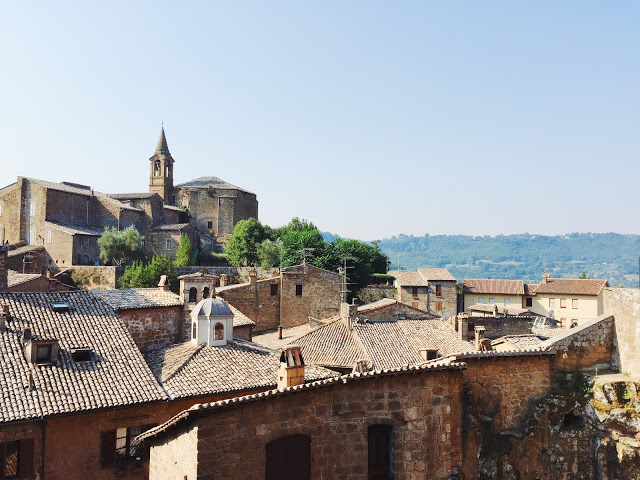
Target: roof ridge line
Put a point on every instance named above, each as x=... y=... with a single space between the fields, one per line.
x=181 y=366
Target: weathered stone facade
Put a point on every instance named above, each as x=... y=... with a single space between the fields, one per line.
x=260 y=301
x=495 y=327
x=153 y=328
x=624 y=305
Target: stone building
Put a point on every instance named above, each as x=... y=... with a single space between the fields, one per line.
x=433 y=290
x=290 y=299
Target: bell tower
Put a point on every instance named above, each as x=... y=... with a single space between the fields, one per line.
x=161 y=176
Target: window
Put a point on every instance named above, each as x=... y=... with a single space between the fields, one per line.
x=438 y=290
x=32 y=209
x=507 y=302
x=563 y=303
x=492 y=301
x=218 y=331
x=574 y=323
x=298 y=290
x=17 y=458
x=574 y=303
x=82 y=354
x=136 y=225
x=274 y=289
x=528 y=302
x=127 y=224
x=31 y=237
x=209 y=225
x=289 y=458
x=481 y=300
x=85 y=242
x=156 y=168
x=414 y=292
x=167 y=244
x=563 y=323
x=205 y=292
x=194 y=330
x=380 y=452
x=438 y=306
x=414 y=304
x=193 y=295
x=120 y=447
x=43 y=353
x=552 y=303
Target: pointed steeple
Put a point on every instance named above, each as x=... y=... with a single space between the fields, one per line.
x=162 y=149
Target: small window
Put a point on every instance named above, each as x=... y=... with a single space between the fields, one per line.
x=507 y=302
x=31 y=237
x=414 y=304
x=32 y=209
x=127 y=224
x=156 y=168
x=438 y=290
x=563 y=303
x=120 y=447
x=438 y=306
x=209 y=225
x=194 y=330
x=432 y=354
x=380 y=452
x=492 y=301
x=43 y=353
x=86 y=242
x=574 y=303
x=574 y=323
x=563 y=323
x=82 y=354
x=59 y=307
x=481 y=300
x=414 y=292
x=528 y=302
x=11 y=459
x=167 y=244
x=289 y=458
x=205 y=292
x=136 y=225
x=193 y=295
x=274 y=289
x=298 y=290
x=49 y=236
x=552 y=303
x=218 y=331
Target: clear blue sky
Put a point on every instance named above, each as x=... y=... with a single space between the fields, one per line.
x=368 y=118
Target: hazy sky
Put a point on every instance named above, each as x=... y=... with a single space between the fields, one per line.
x=368 y=118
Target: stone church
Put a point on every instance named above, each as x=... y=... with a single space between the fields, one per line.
x=60 y=223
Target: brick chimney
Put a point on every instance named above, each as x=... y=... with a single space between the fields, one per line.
x=4 y=318
x=224 y=280
x=291 y=370
x=253 y=277
x=545 y=277
x=163 y=284
x=348 y=313
x=479 y=337
x=360 y=367
x=4 y=269
x=463 y=325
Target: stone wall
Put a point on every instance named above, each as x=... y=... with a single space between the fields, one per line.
x=422 y=408
x=591 y=344
x=392 y=311
x=37 y=255
x=176 y=457
x=87 y=277
x=373 y=293
x=234 y=274
x=153 y=328
x=256 y=302
x=427 y=300
x=624 y=305
x=10 y=203
x=497 y=327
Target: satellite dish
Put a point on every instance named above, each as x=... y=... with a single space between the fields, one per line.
x=551 y=313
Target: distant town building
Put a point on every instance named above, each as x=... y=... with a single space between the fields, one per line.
x=433 y=290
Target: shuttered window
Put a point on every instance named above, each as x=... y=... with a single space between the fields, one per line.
x=380 y=453
x=17 y=458
x=438 y=290
x=289 y=458
x=121 y=447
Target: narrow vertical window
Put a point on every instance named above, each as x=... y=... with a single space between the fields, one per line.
x=167 y=244
x=274 y=289
x=438 y=290
x=414 y=292
x=193 y=295
x=289 y=458
x=298 y=290
x=218 y=331
x=380 y=452
x=32 y=209
x=205 y=292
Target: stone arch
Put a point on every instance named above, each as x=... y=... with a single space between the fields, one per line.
x=193 y=295
x=205 y=292
x=218 y=331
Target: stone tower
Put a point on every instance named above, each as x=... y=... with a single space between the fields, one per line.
x=161 y=176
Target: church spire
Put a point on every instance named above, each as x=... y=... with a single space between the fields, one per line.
x=162 y=149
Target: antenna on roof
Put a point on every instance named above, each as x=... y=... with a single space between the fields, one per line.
x=345 y=283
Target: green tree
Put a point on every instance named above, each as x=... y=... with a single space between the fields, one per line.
x=583 y=276
x=141 y=276
x=269 y=253
x=184 y=255
x=242 y=247
x=299 y=245
x=363 y=260
x=120 y=246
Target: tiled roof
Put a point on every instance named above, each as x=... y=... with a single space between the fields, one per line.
x=521 y=342
x=572 y=286
x=205 y=182
x=75 y=229
x=81 y=190
x=203 y=408
x=409 y=278
x=383 y=344
x=118 y=375
x=172 y=207
x=15 y=278
x=382 y=303
x=435 y=274
x=25 y=249
x=509 y=310
x=493 y=286
x=530 y=289
x=137 y=298
x=187 y=370
x=170 y=226
x=239 y=318
x=131 y=196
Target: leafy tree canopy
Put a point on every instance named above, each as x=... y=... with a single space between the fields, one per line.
x=242 y=247
x=269 y=253
x=138 y=275
x=184 y=255
x=120 y=246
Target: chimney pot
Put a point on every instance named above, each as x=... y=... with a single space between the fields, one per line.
x=291 y=370
x=479 y=330
x=253 y=277
x=163 y=284
x=223 y=280
x=360 y=367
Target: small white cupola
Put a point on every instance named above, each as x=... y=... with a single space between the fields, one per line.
x=211 y=322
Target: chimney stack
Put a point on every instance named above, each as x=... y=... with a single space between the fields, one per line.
x=253 y=277
x=291 y=370
x=545 y=277
x=360 y=367
x=348 y=313
x=463 y=325
x=495 y=310
x=163 y=284
x=4 y=269
x=479 y=337
x=224 y=280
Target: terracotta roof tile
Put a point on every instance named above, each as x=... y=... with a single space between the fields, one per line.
x=571 y=286
x=137 y=298
x=493 y=286
x=435 y=274
x=205 y=182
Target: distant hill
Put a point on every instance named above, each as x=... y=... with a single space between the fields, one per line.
x=611 y=256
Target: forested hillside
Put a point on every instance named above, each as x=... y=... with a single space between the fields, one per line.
x=601 y=255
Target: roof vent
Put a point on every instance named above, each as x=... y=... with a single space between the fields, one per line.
x=59 y=307
x=81 y=354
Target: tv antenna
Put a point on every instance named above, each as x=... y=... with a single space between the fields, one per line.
x=345 y=278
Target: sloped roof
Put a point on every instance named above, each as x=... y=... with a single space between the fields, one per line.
x=572 y=286
x=118 y=375
x=239 y=318
x=530 y=289
x=436 y=274
x=521 y=342
x=383 y=344
x=493 y=286
x=187 y=370
x=137 y=298
x=513 y=310
x=170 y=227
x=16 y=278
x=131 y=196
x=206 y=182
x=409 y=278
x=25 y=249
x=74 y=229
